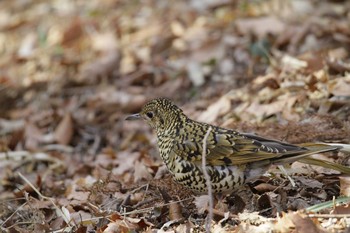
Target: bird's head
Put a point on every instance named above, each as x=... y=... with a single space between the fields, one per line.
x=159 y=113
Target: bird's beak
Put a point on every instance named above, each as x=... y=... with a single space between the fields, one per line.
x=133 y=117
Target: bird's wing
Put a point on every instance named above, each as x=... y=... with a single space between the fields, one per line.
x=227 y=147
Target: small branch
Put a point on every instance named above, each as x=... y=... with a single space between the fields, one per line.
x=64 y=216
x=18 y=209
x=328 y=215
x=208 y=182
x=281 y=167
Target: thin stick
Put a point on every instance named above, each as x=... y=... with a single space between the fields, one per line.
x=281 y=167
x=208 y=182
x=328 y=215
x=18 y=209
x=64 y=216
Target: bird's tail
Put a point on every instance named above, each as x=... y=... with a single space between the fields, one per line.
x=320 y=148
x=314 y=148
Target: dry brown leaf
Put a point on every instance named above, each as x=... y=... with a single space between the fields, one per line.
x=264 y=187
x=82 y=217
x=141 y=172
x=32 y=136
x=290 y=63
x=263 y=110
x=127 y=102
x=202 y=203
x=65 y=129
x=104 y=42
x=284 y=223
x=344 y=185
x=304 y=224
x=215 y=110
x=341 y=209
x=175 y=211
x=72 y=193
x=126 y=162
x=338 y=53
x=340 y=86
x=114 y=227
x=73 y=32
x=261 y=27
x=104 y=66
x=309 y=182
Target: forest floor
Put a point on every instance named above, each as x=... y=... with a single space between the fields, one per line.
x=71 y=71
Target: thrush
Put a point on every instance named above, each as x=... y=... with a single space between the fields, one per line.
x=232 y=158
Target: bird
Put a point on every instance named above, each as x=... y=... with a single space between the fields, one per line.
x=232 y=158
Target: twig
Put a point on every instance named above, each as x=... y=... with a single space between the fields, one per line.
x=208 y=182
x=19 y=208
x=222 y=214
x=153 y=207
x=281 y=167
x=328 y=215
x=64 y=216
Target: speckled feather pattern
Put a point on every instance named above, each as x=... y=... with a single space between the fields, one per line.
x=232 y=159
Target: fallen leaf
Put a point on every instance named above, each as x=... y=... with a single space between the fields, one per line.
x=104 y=42
x=27 y=46
x=175 y=211
x=65 y=129
x=215 y=110
x=141 y=172
x=309 y=182
x=202 y=203
x=304 y=224
x=104 y=66
x=340 y=86
x=195 y=73
x=32 y=135
x=261 y=27
x=344 y=185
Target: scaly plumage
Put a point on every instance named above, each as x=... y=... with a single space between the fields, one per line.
x=233 y=158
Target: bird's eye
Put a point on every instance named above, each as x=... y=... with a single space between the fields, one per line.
x=149 y=115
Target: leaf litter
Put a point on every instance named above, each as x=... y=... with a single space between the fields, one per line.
x=69 y=161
